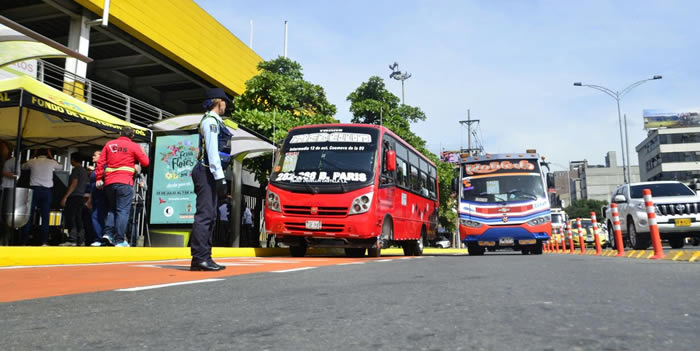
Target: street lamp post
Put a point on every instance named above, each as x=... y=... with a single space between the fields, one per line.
x=618 y=95
x=398 y=75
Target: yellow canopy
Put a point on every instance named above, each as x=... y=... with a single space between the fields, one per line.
x=51 y=118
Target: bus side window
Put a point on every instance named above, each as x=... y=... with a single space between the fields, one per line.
x=424 y=184
x=401 y=173
x=415 y=179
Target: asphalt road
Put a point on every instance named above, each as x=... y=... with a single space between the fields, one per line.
x=501 y=301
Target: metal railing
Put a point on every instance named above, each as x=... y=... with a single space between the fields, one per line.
x=100 y=96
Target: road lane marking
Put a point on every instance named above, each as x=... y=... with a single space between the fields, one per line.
x=149 y=287
x=293 y=270
x=695 y=256
x=349 y=263
x=384 y=260
x=676 y=256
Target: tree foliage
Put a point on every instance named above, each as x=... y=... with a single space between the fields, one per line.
x=276 y=100
x=372 y=103
x=583 y=209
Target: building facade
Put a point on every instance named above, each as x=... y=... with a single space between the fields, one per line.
x=670 y=154
x=597 y=182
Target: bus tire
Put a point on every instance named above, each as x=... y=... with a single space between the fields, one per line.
x=475 y=250
x=297 y=251
x=354 y=252
x=419 y=244
x=407 y=248
x=537 y=249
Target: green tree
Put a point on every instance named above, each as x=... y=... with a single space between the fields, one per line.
x=583 y=209
x=276 y=100
x=372 y=103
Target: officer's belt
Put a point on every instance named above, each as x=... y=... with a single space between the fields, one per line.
x=125 y=168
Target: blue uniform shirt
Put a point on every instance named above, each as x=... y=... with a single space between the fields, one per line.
x=209 y=129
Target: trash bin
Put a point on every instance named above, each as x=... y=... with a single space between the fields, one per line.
x=22 y=206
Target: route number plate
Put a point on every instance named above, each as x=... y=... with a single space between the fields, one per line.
x=313 y=224
x=683 y=222
x=505 y=241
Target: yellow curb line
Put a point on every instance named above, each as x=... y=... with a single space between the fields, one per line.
x=675 y=257
x=695 y=256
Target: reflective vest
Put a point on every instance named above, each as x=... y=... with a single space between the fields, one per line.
x=224 y=144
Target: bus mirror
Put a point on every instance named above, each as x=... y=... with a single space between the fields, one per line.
x=455 y=185
x=550 y=180
x=391 y=160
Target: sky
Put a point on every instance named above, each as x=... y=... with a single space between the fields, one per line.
x=511 y=63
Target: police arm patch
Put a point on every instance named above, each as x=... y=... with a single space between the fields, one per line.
x=213 y=129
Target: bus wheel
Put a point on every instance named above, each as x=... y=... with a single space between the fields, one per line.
x=354 y=252
x=407 y=248
x=537 y=249
x=297 y=251
x=525 y=251
x=375 y=250
x=475 y=250
x=419 y=244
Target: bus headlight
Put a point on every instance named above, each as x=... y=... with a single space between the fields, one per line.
x=468 y=223
x=361 y=204
x=539 y=220
x=273 y=202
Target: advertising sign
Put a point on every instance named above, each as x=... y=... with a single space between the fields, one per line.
x=173 y=199
x=670 y=119
x=450 y=156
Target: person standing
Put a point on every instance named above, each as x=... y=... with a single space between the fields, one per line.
x=97 y=204
x=115 y=172
x=73 y=202
x=247 y=223
x=10 y=175
x=208 y=178
x=41 y=183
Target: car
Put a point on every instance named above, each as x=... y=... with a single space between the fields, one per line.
x=677 y=213
x=587 y=231
x=442 y=242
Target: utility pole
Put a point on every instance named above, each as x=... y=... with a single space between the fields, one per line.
x=469 y=123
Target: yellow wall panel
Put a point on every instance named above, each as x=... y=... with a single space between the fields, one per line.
x=184 y=32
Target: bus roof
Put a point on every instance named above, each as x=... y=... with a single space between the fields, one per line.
x=373 y=126
x=494 y=157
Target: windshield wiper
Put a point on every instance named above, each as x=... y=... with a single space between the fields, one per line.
x=534 y=197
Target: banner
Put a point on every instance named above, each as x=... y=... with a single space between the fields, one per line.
x=670 y=119
x=173 y=199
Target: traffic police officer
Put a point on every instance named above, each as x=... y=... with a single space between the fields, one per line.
x=208 y=177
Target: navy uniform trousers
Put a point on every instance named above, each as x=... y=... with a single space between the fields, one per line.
x=205 y=217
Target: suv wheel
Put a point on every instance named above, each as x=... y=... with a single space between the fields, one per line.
x=676 y=242
x=639 y=241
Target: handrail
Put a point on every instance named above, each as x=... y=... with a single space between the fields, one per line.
x=100 y=96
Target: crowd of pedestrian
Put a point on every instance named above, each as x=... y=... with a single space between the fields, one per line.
x=96 y=202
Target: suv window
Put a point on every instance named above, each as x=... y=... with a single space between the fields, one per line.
x=662 y=189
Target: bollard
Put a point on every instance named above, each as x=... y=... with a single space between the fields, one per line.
x=563 y=239
x=556 y=243
x=618 y=231
x=571 y=238
x=596 y=237
x=653 y=227
x=581 y=243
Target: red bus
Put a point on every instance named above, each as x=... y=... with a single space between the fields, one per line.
x=355 y=186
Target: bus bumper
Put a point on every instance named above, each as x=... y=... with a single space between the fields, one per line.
x=362 y=226
x=491 y=235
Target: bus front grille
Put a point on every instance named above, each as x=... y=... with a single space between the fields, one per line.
x=325 y=227
x=321 y=211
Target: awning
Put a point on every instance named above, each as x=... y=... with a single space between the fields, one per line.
x=18 y=43
x=53 y=119
x=244 y=140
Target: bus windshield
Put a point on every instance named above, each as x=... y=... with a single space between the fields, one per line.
x=340 y=155
x=503 y=188
x=557 y=218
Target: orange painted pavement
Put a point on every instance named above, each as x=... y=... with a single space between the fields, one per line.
x=26 y=283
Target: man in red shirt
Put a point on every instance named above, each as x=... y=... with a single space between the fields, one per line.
x=115 y=172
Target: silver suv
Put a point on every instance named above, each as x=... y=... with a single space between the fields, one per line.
x=677 y=213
